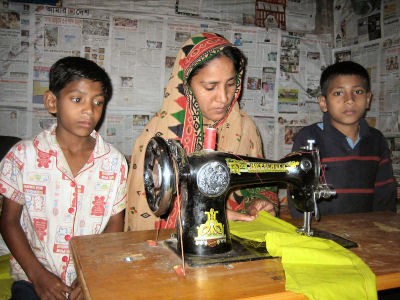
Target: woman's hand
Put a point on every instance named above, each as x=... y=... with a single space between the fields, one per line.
x=252 y=210
x=258 y=205
x=237 y=216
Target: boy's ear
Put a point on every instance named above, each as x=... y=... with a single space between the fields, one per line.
x=369 y=99
x=50 y=102
x=322 y=103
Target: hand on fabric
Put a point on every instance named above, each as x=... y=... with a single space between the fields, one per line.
x=252 y=210
x=49 y=286
x=232 y=215
x=258 y=205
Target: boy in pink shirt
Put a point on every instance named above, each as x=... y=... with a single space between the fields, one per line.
x=66 y=181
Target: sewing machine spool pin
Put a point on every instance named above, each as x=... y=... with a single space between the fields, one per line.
x=319 y=191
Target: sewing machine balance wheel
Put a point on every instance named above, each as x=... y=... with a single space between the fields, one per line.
x=159 y=176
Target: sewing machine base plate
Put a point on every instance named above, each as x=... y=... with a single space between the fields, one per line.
x=338 y=239
x=244 y=250
x=239 y=252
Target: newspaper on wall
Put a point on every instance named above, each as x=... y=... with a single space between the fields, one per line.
x=136 y=70
x=259 y=84
x=356 y=22
x=390 y=16
x=390 y=85
x=138 y=50
x=14 y=121
x=266 y=127
x=41 y=120
x=122 y=129
x=394 y=146
x=302 y=59
x=15 y=32
x=60 y=32
x=300 y=15
x=288 y=125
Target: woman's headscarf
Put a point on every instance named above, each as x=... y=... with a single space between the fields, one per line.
x=180 y=119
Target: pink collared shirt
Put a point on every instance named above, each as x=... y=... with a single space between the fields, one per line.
x=57 y=206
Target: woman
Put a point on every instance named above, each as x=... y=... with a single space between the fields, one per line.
x=203 y=91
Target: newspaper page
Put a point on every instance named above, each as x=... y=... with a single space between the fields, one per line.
x=15 y=37
x=394 y=146
x=261 y=72
x=14 y=121
x=62 y=31
x=315 y=56
x=390 y=86
x=300 y=15
x=356 y=22
x=266 y=127
x=289 y=125
x=41 y=120
x=232 y=11
x=148 y=6
x=188 y=7
x=245 y=38
x=302 y=60
x=136 y=70
x=390 y=73
x=389 y=122
x=391 y=17
x=121 y=129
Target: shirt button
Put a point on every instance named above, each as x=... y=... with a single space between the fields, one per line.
x=73 y=184
x=65 y=258
x=67 y=237
x=71 y=210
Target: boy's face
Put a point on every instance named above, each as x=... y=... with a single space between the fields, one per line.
x=78 y=108
x=346 y=100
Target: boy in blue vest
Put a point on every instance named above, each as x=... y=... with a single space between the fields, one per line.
x=355 y=157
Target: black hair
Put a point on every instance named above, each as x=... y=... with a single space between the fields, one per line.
x=233 y=53
x=72 y=68
x=343 y=68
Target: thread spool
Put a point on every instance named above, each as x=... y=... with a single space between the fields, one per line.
x=210 y=137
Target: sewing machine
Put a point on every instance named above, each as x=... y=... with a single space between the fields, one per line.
x=205 y=178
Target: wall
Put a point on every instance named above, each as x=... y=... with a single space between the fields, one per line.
x=137 y=47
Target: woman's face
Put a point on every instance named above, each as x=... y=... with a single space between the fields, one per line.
x=214 y=88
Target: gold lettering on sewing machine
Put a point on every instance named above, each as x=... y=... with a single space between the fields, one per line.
x=243 y=166
x=211 y=233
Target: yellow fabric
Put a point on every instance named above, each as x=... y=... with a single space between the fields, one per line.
x=315 y=267
x=5 y=278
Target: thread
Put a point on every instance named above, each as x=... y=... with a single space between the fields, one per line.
x=210 y=138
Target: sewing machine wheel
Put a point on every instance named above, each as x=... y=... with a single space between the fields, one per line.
x=159 y=176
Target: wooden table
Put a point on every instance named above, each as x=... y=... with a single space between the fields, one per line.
x=105 y=273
